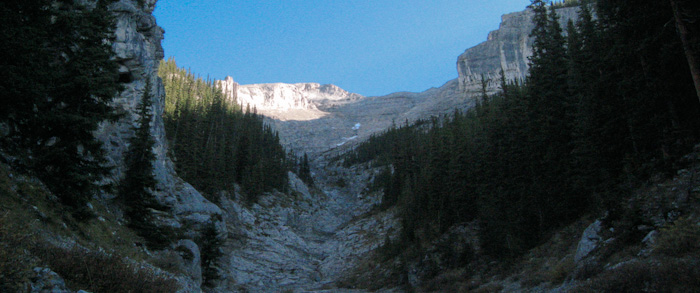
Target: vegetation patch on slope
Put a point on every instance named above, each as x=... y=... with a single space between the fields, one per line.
x=97 y=255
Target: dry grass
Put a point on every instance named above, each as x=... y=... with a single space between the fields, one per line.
x=665 y=275
x=31 y=219
x=97 y=271
x=374 y=272
x=488 y=288
x=680 y=238
x=449 y=281
x=15 y=231
x=169 y=261
x=562 y=270
x=15 y=262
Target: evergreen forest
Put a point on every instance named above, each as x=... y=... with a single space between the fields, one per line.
x=216 y=144
x=609 y=103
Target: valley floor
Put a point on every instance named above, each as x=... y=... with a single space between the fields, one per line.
x=305 y=241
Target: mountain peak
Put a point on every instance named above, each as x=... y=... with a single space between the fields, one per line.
x=284 y=101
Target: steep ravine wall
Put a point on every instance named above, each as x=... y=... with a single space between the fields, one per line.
x=137 y=46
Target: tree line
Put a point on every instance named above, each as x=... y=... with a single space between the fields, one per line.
x=605 y=107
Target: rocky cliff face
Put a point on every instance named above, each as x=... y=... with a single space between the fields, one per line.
x=315 y=118
x=138 y=51
x=508 y=48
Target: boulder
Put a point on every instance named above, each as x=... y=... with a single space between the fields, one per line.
x=650 y=239
x=589 y=241
x=189 y=252
x=46 y=280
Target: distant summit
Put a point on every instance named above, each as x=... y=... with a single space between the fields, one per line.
x=283 y=101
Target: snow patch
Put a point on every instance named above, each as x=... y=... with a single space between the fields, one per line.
x=346 y=139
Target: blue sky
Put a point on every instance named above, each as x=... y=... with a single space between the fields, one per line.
x=370 y=47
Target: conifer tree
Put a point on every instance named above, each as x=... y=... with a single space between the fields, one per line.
x=137 y=187
x=305 y=170
x=612 y=104
x=210 y=246
x=139 y=181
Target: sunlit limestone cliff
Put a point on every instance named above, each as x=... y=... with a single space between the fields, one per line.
x=138 y=51
x=507 y=48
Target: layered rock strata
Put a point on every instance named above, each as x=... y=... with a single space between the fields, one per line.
x=507 y=48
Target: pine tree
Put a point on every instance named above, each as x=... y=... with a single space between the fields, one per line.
x=305 y=170
x=210 y=246
x=609 y=104
x=648 y=78
x=550 y=110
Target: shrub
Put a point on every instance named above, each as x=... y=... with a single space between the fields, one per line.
x=100 y=272
x=561 y=270
x=170 y=261
x=680 y=238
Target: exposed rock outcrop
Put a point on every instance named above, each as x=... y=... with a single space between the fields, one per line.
x=507 y=48
x=303 y=242
x=137 y=47
x=46 y=280
x=346 y=121
x=589 y=241
x=138 y=51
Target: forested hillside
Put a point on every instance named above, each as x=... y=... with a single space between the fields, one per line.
x=605 y=107
x=215 y=143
